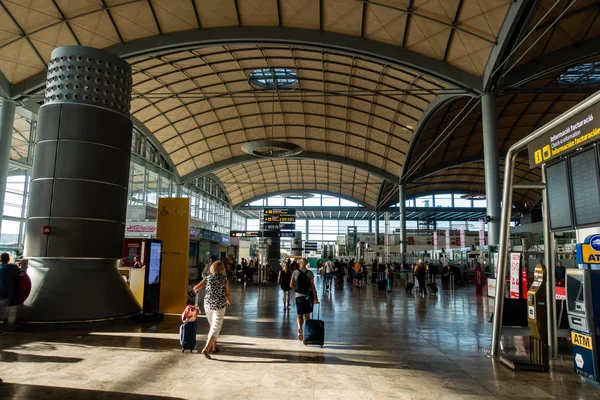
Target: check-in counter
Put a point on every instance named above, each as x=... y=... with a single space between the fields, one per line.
x=135 y=278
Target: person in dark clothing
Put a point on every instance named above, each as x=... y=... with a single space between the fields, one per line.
x=446 y=271
x=420 y=274
x=285 y=276
x=8 y=281
x=560 y=274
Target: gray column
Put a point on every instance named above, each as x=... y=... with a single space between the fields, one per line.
x=296 y=249
x=377 y=227
x=273 y=254
x=79 y=189
x=402 y=217
x=7 y=120
x=492 y=174
x=549 y=261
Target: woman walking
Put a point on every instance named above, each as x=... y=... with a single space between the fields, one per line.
x=217 y=297
x=285 y=276
x=389 y=274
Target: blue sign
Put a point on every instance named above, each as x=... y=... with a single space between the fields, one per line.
x=594 y=241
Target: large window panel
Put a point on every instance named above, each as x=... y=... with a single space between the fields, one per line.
x=460 y=202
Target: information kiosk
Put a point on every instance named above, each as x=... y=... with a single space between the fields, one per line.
x=583 y=308
x=537 y=319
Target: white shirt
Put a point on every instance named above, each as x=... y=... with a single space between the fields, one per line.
x=328 y=267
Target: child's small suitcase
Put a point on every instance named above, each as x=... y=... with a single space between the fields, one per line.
x=187 y=336
x=187 y=330
x=314 y=331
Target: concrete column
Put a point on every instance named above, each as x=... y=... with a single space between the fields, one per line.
x=492 y=174
x=79 y=189
x=549 y=260
x=402 y=216
x=377 y=228
x=297 y=244
x=7 y=120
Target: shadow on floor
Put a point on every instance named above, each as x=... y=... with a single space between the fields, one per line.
x=19 y=391
x=9 y=356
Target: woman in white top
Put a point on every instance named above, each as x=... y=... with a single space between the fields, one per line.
x=217 y=297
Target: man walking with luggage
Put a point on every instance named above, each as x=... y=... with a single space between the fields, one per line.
x=303 y=284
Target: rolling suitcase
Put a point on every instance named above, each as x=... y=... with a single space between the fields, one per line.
x=432 y=288
x=314 y=331
x=409 y=286
x=187 y=332
x=381 y=285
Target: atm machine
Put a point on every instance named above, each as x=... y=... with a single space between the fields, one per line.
x=583 y=308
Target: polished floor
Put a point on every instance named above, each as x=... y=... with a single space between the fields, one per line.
x=378 y=346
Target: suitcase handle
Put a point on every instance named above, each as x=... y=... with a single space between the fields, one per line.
x=318 y=311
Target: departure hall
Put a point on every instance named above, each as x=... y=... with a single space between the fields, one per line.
x=312 y=199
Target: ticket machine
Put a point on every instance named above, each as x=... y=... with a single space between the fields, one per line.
x=537 y=317
x=583 y=312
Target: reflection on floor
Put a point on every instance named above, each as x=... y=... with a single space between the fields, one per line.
x=378 y=346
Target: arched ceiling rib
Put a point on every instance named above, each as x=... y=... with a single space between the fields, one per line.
x=343 y=106
x=254 y=179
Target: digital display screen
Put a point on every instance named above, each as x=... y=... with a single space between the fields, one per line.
x=154 y=263
x=586 y=192
x=559 y=199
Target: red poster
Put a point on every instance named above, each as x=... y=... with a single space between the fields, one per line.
x=515 y=269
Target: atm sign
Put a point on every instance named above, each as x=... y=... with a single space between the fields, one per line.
x=581 y=340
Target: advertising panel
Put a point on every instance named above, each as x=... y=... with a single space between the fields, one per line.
x=435 y=241
x=515 y=275
x=173 y=228
x=447 y=239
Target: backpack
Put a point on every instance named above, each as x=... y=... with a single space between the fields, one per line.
x=302 y=285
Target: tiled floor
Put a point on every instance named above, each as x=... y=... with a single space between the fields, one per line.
x=378 y=346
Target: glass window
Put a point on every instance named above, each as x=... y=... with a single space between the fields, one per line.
x=313 y=201
x=329 y=201
x=258 y=203
x=480 y=203
x=460 y=202
x=424 y=201
x=348 y=203
x=291 y=202
x=276 y=201
x=10 y=232
x=443 y=200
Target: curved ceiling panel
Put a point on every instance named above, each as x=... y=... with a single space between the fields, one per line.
x=459 y=32
x=449 y=139
x=557 y=25
x=247 y=181
x=201 y=108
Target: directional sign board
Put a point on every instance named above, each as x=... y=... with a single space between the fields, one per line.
x=582 y=129
x=279 y=218
x=248 y=234
x=280 y=211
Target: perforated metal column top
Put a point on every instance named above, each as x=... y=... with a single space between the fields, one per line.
x=84 y=75
x=79 y=189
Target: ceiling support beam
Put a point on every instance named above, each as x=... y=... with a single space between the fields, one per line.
x=344 y=44
x=516 y=21
x=306 y=155
x=561 y=58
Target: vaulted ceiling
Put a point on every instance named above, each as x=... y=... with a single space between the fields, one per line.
x=382 y=83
